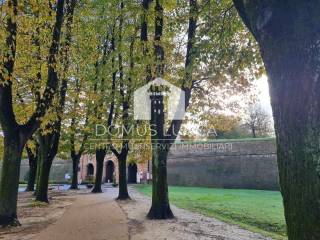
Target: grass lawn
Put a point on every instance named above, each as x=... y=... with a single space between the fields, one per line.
x=255 y=210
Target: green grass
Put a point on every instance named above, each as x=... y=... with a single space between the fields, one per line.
x=255 y=210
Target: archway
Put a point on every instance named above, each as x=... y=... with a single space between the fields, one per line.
x=132 y=173
x=90 y=169
x=109 y=171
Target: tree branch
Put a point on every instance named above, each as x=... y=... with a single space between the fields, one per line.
x=7 y=117
x=52 y=82
x=188 y=81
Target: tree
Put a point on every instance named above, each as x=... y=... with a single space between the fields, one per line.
x=218 y=125
x=206 y=20
x=104 y=77
x=288 y=37
x=49 y=134
x=15 y=134
x=108 y=49
x=88 y=85
x=258 y=121
x=77 y=134
x=160 y=208
x=127 y=77
x=113 y=109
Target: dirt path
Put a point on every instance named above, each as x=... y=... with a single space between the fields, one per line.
x=92 y=217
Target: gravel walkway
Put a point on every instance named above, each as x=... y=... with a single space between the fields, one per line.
x=186 y=226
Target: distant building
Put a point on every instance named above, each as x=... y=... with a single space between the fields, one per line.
x=136 y=172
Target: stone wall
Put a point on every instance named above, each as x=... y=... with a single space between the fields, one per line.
x=58 y=170
x=234 y=164
x=250 y=164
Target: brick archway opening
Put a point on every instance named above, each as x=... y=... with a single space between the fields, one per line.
x=90 y=169
x=132 y=173
x=109 y=171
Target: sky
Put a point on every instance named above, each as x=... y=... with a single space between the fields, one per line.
x=263 y=93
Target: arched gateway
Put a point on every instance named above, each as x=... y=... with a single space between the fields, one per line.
x=109 y=171
x=90 y=169
x=132 y=173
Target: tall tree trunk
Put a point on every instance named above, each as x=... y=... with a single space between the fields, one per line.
x=75 y=166
x=100 y=155
x=45 y=163
x=125 y=94
x=9 y=183
x=160 y=208
x=123 y=186
x=288 y=34
x=122 y=169
x=297 y=123
x=295 y=95
x=32 y=169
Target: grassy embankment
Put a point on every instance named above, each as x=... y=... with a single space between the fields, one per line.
x=255 y=210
